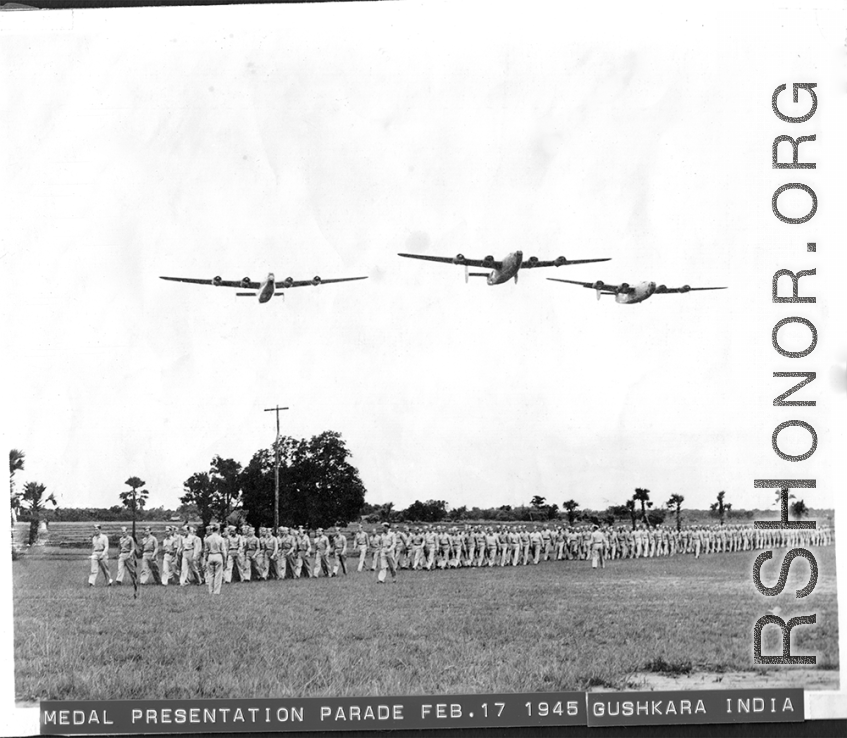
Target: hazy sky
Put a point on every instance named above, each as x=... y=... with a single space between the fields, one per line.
x=325 y=139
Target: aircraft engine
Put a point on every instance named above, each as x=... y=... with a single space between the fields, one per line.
x=245 y=282
x=531 y=262
x=459 y=259
x=217 y=281
x=288 y=281
x=488 y=262
x=598 y=285
x=560 y=261
x=685 y=288
x=624 y=287
x=316 y=280
x=662 y=288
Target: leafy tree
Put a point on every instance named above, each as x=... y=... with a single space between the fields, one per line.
x=643 y=496
x=318 y=485
x=570 y=507
x=538 y=501
x=721 y=508
x=630 y=506
x=552 y=512
x=675 y=502
x=799 y=509
x=134 y=498
x=200 y=492
x=34 y=502
x=431 y=511
x=225 y=475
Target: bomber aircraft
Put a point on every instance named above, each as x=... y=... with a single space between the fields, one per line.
x=265 y=289
x=501 y=271
x=629 y=294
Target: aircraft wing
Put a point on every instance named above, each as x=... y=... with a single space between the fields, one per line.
x=601 y=286
x=216 y=282
x=479 y=263
x=561 y=261
x=285 y=283
x=668 y=290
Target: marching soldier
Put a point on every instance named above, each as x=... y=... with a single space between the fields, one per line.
x=190 y=573
x=339 y=550
x=598 y=546
x=234 y=559
x=361 y=544
x=126 y=558
x=387 y=548
x=170 y=556
x=322 y=546
x=251 y=555
x=288 y=553
x=99 y=557
x=304 y=550
x=215 y=549
x=149 y=560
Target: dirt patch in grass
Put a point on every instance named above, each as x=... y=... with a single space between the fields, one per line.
x=764 y=678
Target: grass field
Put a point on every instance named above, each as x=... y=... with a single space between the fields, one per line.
x=555 y=626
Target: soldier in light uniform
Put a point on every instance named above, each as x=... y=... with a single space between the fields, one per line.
x=535 y=543
x=430 y=548
x=215 y=548
x=272 y=557
x=251 y=555
x=287 y=553
x=339 y=552
x=190 y=573
x=149 y=560
x=170 y=556
x=126 y=558
x=479 y=543
x=373 y=545
x=304 y=551
x=234 y=563
x=443 y=548
x=387 y=561
x=417 y=544
x=492 y=541
x=322 y=547
x=99 y=557
x=598 y=546
x=361 y=544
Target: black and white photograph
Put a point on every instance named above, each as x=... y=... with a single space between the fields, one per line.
x=410 y=349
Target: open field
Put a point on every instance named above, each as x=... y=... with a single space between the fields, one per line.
x=555 y=626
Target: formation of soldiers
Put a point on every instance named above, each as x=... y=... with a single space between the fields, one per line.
x=229 y=556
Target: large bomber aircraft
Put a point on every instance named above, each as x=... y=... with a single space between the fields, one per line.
x=627 y=294
x=265 y=289
x=501 y=271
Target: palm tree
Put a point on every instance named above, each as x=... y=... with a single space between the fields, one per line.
x=16 y=463
x=643 y=496
x=676 y=502
x=721 y=507
x=571 y=506
x=134 y=498
x=34 y=499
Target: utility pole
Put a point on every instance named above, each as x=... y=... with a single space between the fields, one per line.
x=276 y=465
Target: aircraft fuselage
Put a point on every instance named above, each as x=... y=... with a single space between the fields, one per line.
x=267 y=290
x=640 y=293
x=509 y=270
